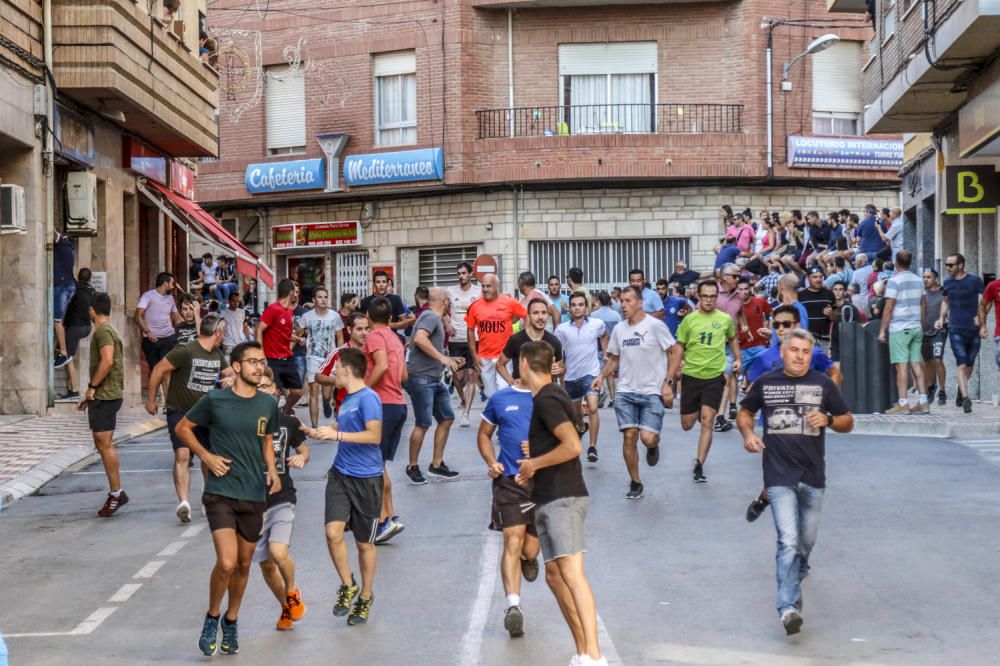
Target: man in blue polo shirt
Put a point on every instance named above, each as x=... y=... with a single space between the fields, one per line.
x=652 y=304
x=869 y=233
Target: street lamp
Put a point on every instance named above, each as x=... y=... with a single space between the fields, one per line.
x=815 y=46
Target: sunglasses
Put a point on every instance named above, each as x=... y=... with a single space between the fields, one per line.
x=784 y=324
x=950 y=265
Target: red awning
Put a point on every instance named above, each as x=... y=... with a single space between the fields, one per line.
x=247 y=263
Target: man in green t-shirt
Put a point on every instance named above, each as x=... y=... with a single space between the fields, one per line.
x=241 y=422
x=104 y=394
x=191 y=370
x=701 y=344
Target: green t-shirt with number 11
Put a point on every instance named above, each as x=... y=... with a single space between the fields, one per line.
x=704 y=337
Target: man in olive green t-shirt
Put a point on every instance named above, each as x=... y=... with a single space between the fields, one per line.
x=701 y=343
x=104 y=394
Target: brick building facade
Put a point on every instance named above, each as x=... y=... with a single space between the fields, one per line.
x=541 y=155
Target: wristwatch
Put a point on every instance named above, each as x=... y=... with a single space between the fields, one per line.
x=829 y=420
x=91 y=386
x=669 y=382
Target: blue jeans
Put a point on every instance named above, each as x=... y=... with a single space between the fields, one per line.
x=964 y=345
x=796 y=518
x=635 y=410
x=430 y=398
x=62 y=294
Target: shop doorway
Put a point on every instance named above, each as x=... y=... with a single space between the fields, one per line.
x=309 y=272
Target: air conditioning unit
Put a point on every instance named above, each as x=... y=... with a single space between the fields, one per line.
x=81 y=203
x=12 y=209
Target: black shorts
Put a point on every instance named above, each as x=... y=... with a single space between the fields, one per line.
x=155 y=351
x=460 y=350
x=201 y=433
x=102 y=415
x=286 y=373
x=73 y=336
x=393 y=418
x=932 y=346
x=356 y=501
x=512 y=506
x=697 y=393
x=246 y=517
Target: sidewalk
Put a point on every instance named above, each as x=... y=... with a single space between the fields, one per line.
x=943 y=421
x=34 y=450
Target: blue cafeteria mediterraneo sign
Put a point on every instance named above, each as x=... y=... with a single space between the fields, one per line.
x=285 y=176
x=831 y=152
x=398 y=167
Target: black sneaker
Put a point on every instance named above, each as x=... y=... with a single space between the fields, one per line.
x=230 y=637
x=967 y=406
x=414 y=475
x=698 y=473
x=958 y=399
x=529 y=569
x=345 y=595
x=327 y=408
x=942 y=398
x=634 y=490
x=513 y=622
x=592 y=454
x=653 y=455
x=442 y=470
x=755 y=508
x=69 y=395
x=792 y=621
x=61 y=360
x=931 y=390
x=721 y=424
x=362 y=608
x=208 y=643
x=732 y=412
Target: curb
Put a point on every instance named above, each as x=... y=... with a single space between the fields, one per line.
x=912 y=428
x=31 y=482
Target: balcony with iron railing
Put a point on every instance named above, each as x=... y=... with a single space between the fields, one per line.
x=576 y=119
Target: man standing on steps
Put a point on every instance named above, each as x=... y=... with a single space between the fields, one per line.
x=461 y=297
x=580 y=336
x=551 y=467
x=78 y=327
x=324 y=334
x=241 y=422
x=427 y=392
x=958 y=309
x=639 y=350
x=701 y=340
x=104 y=396
x=275 y=331
x=904 y=308
x=799 y=405
x=195 y=369
x=508 y=413
x=492 y=318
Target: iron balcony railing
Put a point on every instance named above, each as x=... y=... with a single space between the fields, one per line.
x=670 y=118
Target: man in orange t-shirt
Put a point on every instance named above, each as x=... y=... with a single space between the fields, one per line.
x=492 y=318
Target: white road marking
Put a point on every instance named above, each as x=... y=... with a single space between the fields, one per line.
x=172 y=549
x=124 y=593
x=977 y=441
x=94 y=621
x=132 y=471
x=194 y=530
x=709 y=656
x=488 y=564
x=608 y=649
x=150 y=569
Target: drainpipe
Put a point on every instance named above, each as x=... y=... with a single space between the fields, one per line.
x=515 y=203
x=48 y=172
x=770 y=111
x=510 y=69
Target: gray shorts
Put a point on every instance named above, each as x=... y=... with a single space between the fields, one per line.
x=560 y=525
x=278 y=521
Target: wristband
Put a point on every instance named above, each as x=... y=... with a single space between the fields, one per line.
x=91 y=386
x=829 y=420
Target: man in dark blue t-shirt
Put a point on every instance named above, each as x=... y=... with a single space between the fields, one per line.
x=513 y=513
x=959 y=307
x=871 y=239
x=798 y=405
x=728 y=252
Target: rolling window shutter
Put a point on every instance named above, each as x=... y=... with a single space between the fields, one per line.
x=837 y=78
x=393 y=64
x=285 y=108
x=614 y=58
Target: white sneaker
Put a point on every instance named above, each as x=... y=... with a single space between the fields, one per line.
x=464 y=421
x=586 y=660
x=184 y=512
x=575 y=661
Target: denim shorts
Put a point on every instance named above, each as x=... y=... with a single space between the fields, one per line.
x=430 y=398
x=62 y=294
x=580 y=388
x=635 y=410
x=965 y=346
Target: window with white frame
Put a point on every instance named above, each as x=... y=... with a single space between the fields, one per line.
x=396 y=98
x=888 y=19
x=836 y=90
x=285 y=110
x=608 y=87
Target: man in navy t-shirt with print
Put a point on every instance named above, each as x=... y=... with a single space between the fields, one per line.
x=354 y=484
x=508 y=413
x=959 y=307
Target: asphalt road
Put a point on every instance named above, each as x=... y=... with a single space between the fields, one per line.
x=903 y=571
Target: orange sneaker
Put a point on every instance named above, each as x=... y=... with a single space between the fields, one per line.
x=296 y=608
x=285 y=621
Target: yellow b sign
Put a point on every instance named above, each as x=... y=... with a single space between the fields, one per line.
x=971 y=189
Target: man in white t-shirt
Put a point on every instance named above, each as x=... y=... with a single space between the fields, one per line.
x=638 y=350
x=460 y=297
x=526 y=285
x=324 y=329
x=210 y=270
x=237 y=330
x=581 y=336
